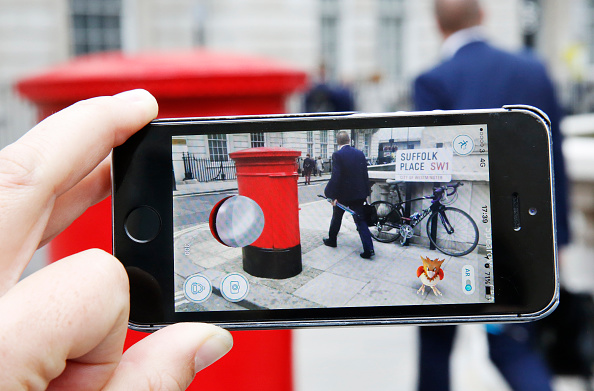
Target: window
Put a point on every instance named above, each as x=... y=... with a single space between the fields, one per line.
x=329 y=26
x=590 y=32
x=389 y=38
x=530 y=21
x=257 y=140
x=96 y=25
x=310 y=141
x=324 y=144
x=367 y=144
x=217 y=147
x=335 y=141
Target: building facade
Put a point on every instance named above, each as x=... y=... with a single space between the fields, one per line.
x=375 y=47
x=209 y=151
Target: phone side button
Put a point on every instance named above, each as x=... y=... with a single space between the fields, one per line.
x=143 y=224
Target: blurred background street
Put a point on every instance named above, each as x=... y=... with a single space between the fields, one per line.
x=369 y=51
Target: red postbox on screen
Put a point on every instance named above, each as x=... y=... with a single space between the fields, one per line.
x=190 y=83
x=268 y=176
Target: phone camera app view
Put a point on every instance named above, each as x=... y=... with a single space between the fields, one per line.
x=254 y=215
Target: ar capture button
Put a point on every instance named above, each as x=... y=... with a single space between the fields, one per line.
x=143 y=224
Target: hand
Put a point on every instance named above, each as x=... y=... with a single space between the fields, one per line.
x=64 y=326
x=334 y=202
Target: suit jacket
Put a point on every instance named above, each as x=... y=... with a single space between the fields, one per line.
x=349 y=180
x=481 y=76
x=308 y=165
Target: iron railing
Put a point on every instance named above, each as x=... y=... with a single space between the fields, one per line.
x=205 y=170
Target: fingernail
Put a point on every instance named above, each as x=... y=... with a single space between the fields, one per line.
x=212 y=349
x=135 y=95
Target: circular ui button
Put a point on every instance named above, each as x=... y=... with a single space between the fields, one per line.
x=197 y=288
x=463 y=144
x=143 y=224
x=235 y=287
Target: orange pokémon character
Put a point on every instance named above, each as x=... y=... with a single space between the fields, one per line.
x=430 y=274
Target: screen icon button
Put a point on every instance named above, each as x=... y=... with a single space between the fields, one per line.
x=468 y=280
x=234 y=287
x=197 y=288
x=463 y=145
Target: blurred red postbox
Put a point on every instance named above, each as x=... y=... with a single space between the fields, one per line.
x=268 y=176
x=186 y=84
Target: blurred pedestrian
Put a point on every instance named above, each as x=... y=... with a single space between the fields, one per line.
x=308 y=166
x=325 y=96
x=320 y=165
x=472 y=75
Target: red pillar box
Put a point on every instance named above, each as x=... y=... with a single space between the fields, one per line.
x=186 y=84
x=268 y=176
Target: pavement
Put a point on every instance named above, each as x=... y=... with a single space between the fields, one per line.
x=356 y=358
x=331 y=277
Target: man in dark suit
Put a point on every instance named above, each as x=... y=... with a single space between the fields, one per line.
x=474 y=74
x=349 y=185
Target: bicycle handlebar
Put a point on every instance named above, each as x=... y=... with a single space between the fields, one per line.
x=438 y=192
x=454 y=188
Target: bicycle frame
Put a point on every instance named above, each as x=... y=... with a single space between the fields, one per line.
x=437 y=195
x=405 y=225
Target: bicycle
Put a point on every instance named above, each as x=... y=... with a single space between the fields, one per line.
x=451 y=230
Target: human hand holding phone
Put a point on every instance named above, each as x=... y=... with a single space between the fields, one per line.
x=64 y=326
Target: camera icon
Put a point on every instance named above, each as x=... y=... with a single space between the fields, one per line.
x=234 y=287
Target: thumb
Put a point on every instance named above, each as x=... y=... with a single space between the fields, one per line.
x=170 y=358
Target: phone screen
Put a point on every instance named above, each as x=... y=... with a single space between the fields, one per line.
x=249 y=221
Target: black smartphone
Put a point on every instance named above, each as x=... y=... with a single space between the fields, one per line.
x=223 y=220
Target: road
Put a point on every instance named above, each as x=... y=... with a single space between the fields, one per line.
x=193 y=209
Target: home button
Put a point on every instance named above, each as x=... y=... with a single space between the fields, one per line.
x=143 y=224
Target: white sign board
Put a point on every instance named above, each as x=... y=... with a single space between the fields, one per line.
x=424 y=165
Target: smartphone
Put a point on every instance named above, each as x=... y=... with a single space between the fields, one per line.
x=222 y=220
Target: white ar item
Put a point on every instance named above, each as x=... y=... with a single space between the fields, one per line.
x=239 y=221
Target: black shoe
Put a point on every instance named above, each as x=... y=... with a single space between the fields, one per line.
x=367 y=254
x=329 y=243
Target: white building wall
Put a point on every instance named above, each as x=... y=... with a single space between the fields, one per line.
x=158 y=24
x=33 y=35
x=286 y=30
x=503 y=23
x=563 y=30
x=422 y=40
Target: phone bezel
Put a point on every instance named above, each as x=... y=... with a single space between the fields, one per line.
x=143 y=162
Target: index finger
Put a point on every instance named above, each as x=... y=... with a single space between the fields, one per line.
x=65 y=147
x=50 y=159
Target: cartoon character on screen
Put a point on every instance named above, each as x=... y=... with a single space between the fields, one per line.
x=430 y=274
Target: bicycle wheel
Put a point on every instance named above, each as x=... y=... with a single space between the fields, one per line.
x=387 y=227
x=456 y=232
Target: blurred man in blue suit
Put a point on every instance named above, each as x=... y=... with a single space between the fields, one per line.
x=349 y=185
x=473 y=74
